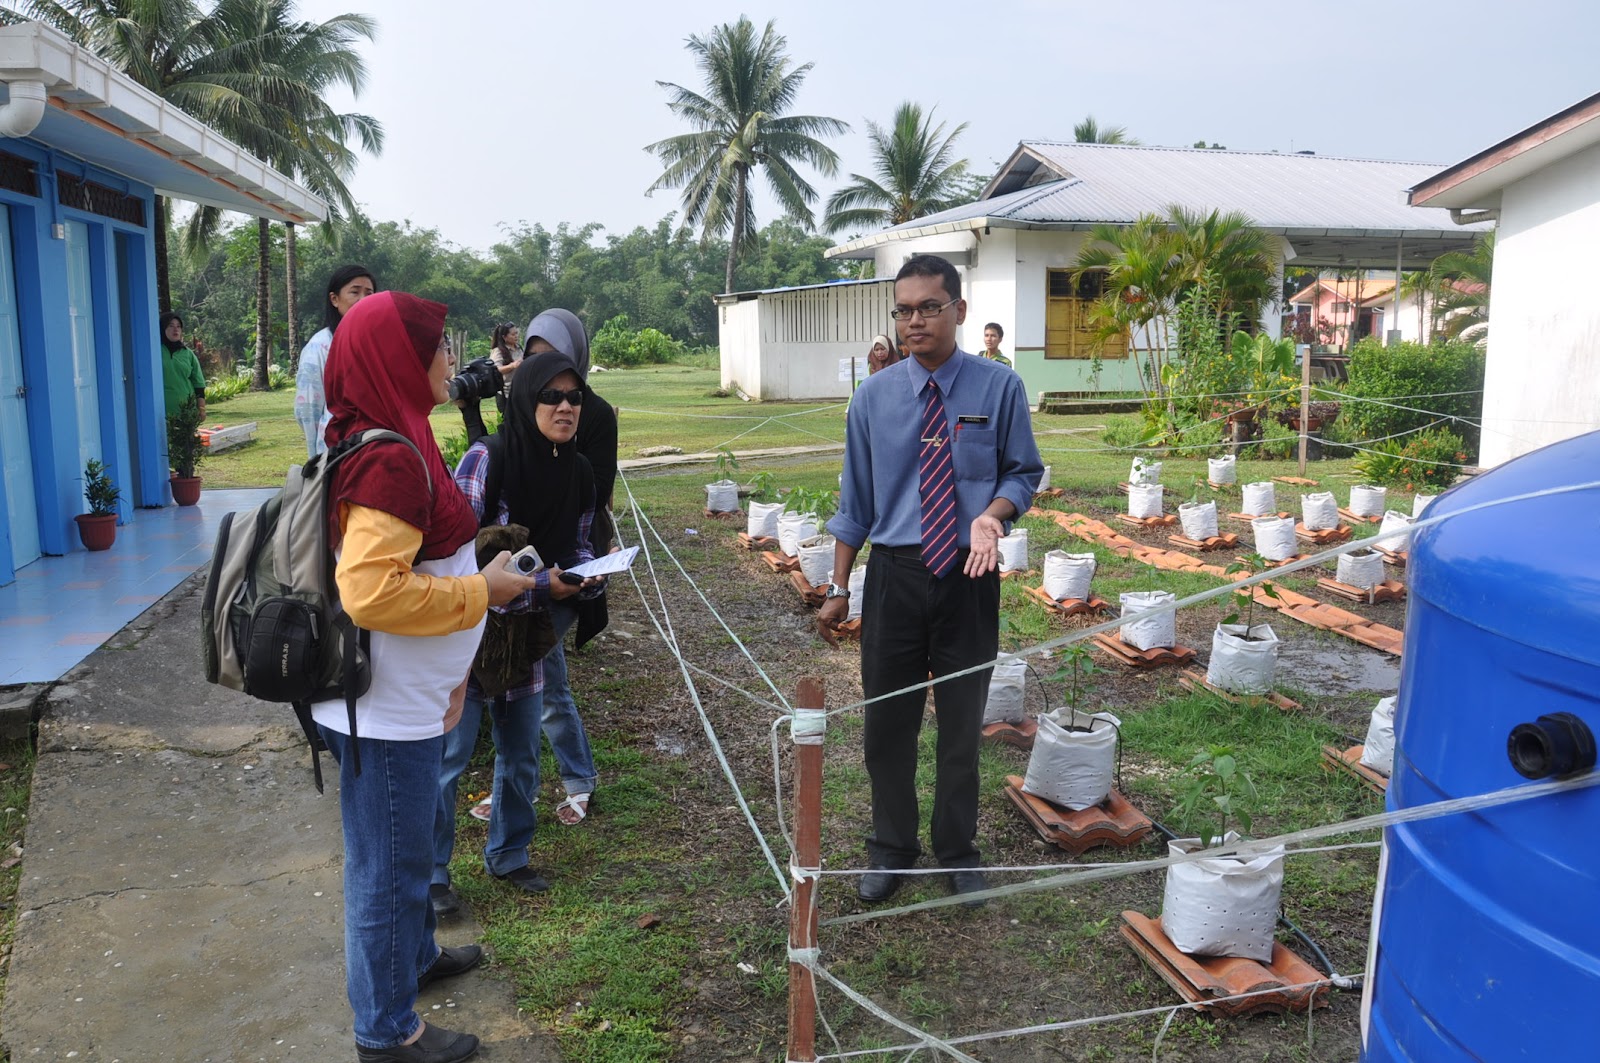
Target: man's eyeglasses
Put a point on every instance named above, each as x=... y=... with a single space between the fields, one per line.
x=927 y=310
x=555 y=396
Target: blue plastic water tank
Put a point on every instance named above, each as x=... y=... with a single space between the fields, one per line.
x=1488 y=925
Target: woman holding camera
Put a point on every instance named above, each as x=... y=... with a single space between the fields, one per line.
x=545 y=486
x=348 y=286
x=407 y=573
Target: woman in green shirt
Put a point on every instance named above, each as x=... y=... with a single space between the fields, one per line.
x=181 y=375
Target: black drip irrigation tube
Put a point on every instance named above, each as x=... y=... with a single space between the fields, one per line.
x=1340 y=981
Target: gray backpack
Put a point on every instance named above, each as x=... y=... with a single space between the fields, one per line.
x=271 y=623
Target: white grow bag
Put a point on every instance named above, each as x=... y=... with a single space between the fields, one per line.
x=1014 y=551
x=1223 y=470
x=792 y=527
x=1378 y=753
x=1199 y=519
x=1073 y=759
x=1144 y=472
x=1274 y=537
x=1244 y=666
x=1008 y=685
x=1260 y=499
x=1361 y=570
x=858 y=591
x=1420 y=504
x=816 y=559
x=1395 y=531
x=762 y=520
x=1144 y=499
x=722 y=497
x=1319 y=511
x=1151 y=632
x=1044 y=480
x=1368 y=501
x=1068 y=575
x=1223 y=906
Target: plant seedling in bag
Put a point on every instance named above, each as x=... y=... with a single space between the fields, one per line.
x=1245 y=602
x=1215 y=790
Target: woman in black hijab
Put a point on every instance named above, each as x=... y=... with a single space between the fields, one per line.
x=547 y=487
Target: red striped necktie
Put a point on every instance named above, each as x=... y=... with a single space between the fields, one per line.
x=936 y=486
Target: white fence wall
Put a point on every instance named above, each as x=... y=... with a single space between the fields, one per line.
x=1542 y=383
x=739 y=344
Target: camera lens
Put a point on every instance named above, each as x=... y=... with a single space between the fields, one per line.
x=525 y=564
x=478 y=379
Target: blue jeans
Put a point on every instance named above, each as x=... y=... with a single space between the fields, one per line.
x=516 y=784
x=562 y=724
x=388 y=922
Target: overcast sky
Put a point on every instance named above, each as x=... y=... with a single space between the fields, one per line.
x=500 y=112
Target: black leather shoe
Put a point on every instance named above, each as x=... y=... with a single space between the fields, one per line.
x=878 y=884
x=451 y=962
x=526 y=879
x=968 y=880
x=436 y=1045
x=443 y=899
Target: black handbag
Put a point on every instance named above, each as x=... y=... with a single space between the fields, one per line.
x=512 y=642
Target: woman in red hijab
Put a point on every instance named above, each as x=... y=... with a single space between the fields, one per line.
x=406 y=573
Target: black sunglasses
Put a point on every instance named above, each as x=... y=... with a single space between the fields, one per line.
x=555 y=396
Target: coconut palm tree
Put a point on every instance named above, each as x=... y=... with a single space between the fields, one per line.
x=1462 y=278
x=916 y=174
x=1241 y=259
x=1090 y=131
x=740 y=123
x=246 y=68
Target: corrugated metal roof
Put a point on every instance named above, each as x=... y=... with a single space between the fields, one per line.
x=1117 y=183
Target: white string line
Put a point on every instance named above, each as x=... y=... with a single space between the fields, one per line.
x=640 y=515
x=669 y=638
x=1019 y=868
x=1070 y=1024
x=924 y=1039
x=1245 y=849
x=1227 y=588
x=1415 y=461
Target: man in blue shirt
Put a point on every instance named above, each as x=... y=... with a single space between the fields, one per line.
x=939 y=456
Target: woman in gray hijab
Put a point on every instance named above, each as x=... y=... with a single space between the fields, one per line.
x=560 y=330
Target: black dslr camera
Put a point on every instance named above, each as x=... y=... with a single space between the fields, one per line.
x=477 y=380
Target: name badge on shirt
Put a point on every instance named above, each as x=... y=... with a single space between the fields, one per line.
x=973 y=418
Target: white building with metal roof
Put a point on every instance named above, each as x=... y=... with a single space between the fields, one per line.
x=1542 y=380
x=1018 y=245
x=84 y=151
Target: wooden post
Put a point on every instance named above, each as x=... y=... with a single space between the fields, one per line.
x=1305 y=405
x=808 y=728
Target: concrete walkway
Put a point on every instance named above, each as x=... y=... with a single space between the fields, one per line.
x=180 y=897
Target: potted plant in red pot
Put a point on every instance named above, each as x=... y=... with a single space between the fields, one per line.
x=98 y=527
x=185 y=451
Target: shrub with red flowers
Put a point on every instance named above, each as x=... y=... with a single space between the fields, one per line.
x=1427 y=459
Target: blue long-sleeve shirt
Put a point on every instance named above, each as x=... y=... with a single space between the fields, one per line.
x=994 y=453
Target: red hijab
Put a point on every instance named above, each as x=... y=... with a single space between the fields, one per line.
x=377 y=377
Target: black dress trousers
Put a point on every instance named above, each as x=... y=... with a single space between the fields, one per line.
x=914 y=624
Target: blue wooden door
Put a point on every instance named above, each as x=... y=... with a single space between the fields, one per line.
x=15 y=450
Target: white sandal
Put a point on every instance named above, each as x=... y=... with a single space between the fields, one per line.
x=483 y=809
x=577 y=804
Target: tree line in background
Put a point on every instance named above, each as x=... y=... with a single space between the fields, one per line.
x=660 y=277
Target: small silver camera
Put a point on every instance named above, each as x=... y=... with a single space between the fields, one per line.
x=526 y=561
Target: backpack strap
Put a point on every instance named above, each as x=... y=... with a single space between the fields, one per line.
x=495 y=447
x=302 y=712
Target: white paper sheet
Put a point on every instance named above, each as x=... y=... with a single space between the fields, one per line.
x=606 y=564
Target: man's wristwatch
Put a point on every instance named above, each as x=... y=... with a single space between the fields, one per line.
x=836 y=591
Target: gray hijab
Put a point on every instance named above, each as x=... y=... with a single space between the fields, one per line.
x=562 y=330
